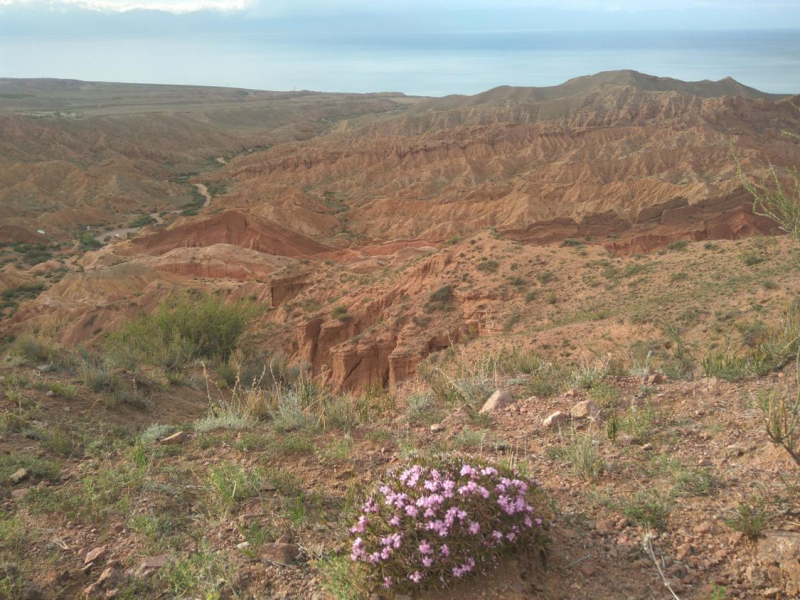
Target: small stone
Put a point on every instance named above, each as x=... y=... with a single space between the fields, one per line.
x=243 y=546
x=585 y=409
x=704 y=527
x=792 y=569
x=555 y=419
x=604 y=527
x=437 y=427
x=151 y=564
x=586 y=569
x=247 y=518
x=175 y=438
x=280 y=553
x=774 y=574
x=755 y=576
x=683 y=551
x=779 y=547
x=20 y=493
x=96 y=555
x=500 y=399
x=108 y=576
x=654 y=379
x=286 y=538
x=734 y=450
x=771 y=592
x=19 y=476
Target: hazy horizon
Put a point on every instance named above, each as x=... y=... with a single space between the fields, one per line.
x=418 y=48
x=424 y=64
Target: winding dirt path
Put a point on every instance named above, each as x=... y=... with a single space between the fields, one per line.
x=203 y=191
x=122 y=232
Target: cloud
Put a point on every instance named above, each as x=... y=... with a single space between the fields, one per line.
x=172 y=6
x=329 y=7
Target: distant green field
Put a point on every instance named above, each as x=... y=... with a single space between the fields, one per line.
x=17 y=96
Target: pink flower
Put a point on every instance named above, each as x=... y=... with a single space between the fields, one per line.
x=475 y=528
x=370 y=506
x=358 y=550
x=468 y=471
x=416 y=577
x=425 y=548
x=361 y=526
x=387 y=582
x=427 y=561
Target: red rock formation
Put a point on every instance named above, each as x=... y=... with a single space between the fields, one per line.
x=234 y=227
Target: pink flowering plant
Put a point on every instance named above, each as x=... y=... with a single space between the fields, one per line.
x=434 y=522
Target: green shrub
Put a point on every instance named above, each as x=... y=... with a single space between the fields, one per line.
x=98 y=376
x=156 y=432
x=648 y=507
x=440 y=300
x=726 y=365
x=181 y=331
x=143 y=221
x=750 y=518
x=34 y=348
x=545 y=277
x=228 y=484
x=678 y=246
x=488 y=266
x=782 y=418
x=421 y=409
x=340 y=313
x=22 y=292
x=583 y=454
x=132 y=397
x=62 y=390
x=88 y=242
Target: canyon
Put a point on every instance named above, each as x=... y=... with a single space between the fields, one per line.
x=365 y=202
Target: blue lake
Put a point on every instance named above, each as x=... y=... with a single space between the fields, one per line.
x=432 y=64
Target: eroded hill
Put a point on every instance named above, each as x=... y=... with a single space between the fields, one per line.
x=283 y=296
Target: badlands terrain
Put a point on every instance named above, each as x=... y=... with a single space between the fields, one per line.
x=336 y=283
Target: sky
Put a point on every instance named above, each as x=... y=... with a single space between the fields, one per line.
x=460 y=14
x=425 y=47
x=328 y=7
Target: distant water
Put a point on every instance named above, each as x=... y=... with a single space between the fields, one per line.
x=432 y=64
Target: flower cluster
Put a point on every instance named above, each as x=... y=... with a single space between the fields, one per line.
x=434 y=522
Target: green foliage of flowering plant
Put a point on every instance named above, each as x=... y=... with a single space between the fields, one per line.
x=436 y=521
